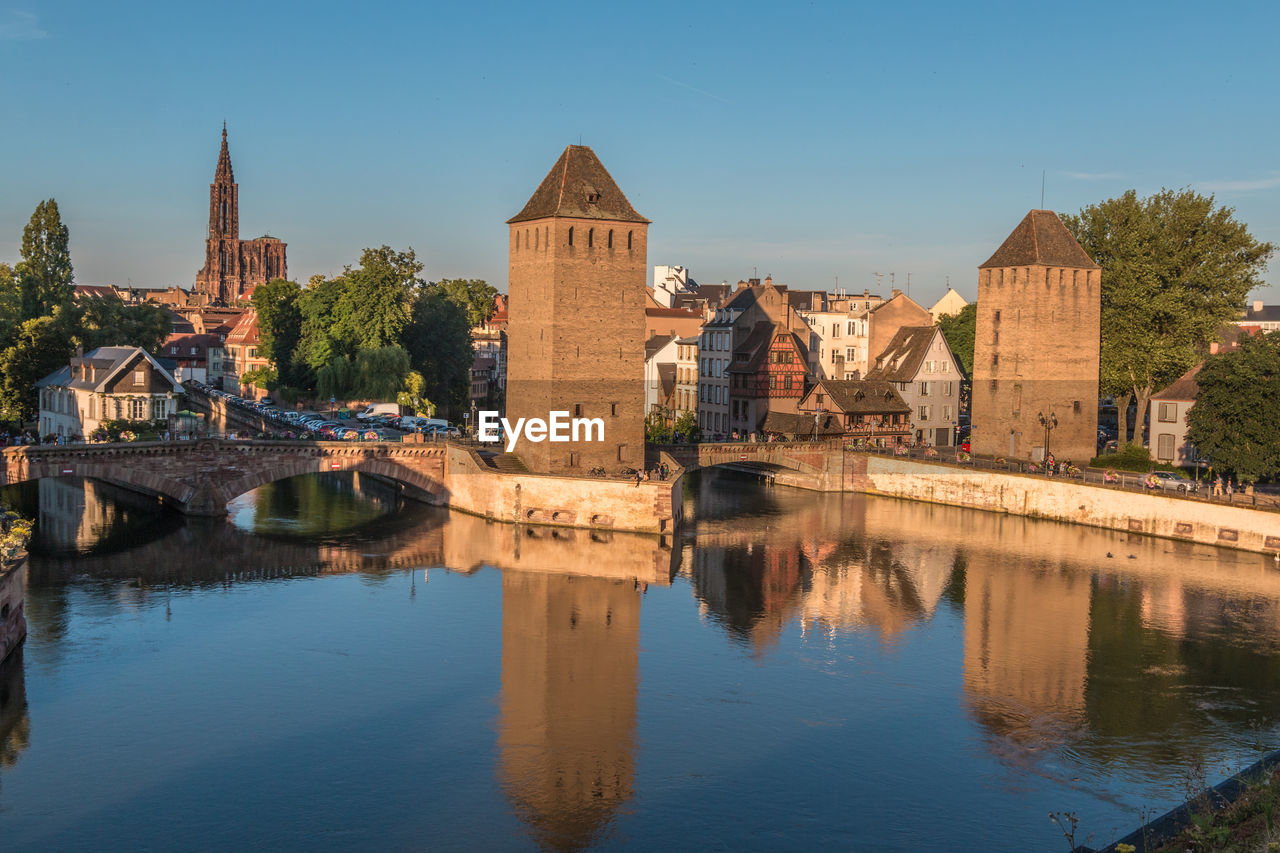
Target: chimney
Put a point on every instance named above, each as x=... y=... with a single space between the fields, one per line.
x=79 y=352
x=895 y=293
x=768 y=280
x=1257 y=306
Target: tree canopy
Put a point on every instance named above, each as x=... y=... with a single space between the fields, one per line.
x=44 y=274
x=40 y=347
x=473 y=295
x=959 y=330
x=1176 y=267
x=1233 y=421
x=279 y=325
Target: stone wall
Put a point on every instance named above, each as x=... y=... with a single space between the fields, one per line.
x=652 y=506
x=13 y=622
x=1154 y=514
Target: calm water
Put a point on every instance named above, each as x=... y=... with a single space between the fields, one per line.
x=330 y=670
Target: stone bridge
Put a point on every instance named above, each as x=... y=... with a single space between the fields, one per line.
x=201 y=477
x=811 y=465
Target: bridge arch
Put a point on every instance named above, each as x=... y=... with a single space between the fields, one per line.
x=428 y=484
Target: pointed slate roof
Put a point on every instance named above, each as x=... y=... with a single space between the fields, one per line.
x=578 y=186
x=1041 y=240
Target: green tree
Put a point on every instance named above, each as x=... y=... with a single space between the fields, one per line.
x=377 y=298
x=44 y=274
x=438 y=339
x=1175 y=268
x=41 y=346
x=107 y=322
x=687 y=426
x=959 y=329
x=337 y=379
x=10 y=303
x=656 y=430
x=317 y=307
x=1233 y=422
x=473 y=295
x=279 y=325
x=381 y=372
x=414 y=395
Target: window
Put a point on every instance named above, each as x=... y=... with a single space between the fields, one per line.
x=946 y=413
x=1168 y=412
x=1075 y=407
x=610 y=238
x=622 y=453
x=924 y=413
x=1164 y=447
x=173 y=350
x=591 y=237
x=570 y=235
x=577 y=410
x=924 y=389
x=819 y=399
x=574 y=461
x=139 y=377
x=194 y=351
x=997 y=315
x=850 y=354
x=628 y=241
x=138 y=409
x=995 y=359
x=613 y=409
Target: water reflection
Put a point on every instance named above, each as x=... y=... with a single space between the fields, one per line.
x=15 y=727
x=1054 y=652
x=566 y=732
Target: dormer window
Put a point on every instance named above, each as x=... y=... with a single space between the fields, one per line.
x=593 y=197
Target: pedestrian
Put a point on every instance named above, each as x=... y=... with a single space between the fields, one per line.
x=1230 y=488
x=1217 y=486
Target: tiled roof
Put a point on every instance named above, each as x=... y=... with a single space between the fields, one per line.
x=1184 y=387
x=245 y=332
x=1041 y=239
x=905 y=352
x=106 y=363
x=1267 y=314
x=862 y=396
x=667 y=376
x=580 y=187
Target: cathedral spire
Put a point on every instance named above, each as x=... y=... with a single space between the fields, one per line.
x=224 y=160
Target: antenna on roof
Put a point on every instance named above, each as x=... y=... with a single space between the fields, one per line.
x=1042 y=189
x=908 y=285
x=878 y=275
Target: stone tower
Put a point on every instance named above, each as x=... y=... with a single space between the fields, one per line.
x=233 y=267
x=1036 y=345
x=578 y=266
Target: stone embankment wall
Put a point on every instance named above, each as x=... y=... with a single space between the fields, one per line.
x=652 y=506
x=1153 y=513
x=13 y=622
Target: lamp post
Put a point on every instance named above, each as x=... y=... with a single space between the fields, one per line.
x=1048 y=422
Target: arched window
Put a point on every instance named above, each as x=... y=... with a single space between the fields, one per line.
x=591 y=237
x=628 y=241
x=610 y=238
x=570 y=235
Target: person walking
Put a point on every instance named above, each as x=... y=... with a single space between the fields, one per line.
x=1217 y=486
x=1230 y=489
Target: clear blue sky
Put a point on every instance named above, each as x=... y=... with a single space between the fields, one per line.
x=809 y=141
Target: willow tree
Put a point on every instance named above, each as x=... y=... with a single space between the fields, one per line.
x=1176 y=267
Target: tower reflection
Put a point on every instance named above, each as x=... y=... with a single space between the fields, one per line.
x=568 y=711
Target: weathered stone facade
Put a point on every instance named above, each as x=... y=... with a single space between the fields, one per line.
x=234 y=267
x=578 y=265
x=1037 y=343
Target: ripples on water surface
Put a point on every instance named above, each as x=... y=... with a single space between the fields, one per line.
x=329 y=670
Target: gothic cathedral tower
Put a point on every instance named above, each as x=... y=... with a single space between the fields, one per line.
x=577 y=272
x=233 y=267
x=1036 y=346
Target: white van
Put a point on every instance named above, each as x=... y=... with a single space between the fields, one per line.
x=379 y=409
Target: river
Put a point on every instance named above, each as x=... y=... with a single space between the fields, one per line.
x=333 y=669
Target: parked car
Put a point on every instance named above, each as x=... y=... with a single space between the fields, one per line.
x=392 y=409
x=1171 y=481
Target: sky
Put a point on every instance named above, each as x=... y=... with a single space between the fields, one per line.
x=825 y=144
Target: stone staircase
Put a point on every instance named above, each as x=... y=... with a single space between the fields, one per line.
x=505 y=462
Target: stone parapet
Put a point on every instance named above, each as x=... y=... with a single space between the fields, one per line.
x=13 y=621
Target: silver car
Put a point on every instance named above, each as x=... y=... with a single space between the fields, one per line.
x=1171 y=481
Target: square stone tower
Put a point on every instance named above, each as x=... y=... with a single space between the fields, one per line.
x=1036 y=345
x=577 y=273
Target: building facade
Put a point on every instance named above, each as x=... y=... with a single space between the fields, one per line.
x=920 y=365
x=577 y=273
x=767 y=374
x=106 y=384
x=1036 y=347
x=234 y=267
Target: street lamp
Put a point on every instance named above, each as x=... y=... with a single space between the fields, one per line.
x=1048 y=423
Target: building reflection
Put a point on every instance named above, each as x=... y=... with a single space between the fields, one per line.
x=15 y=727
x=566 y=729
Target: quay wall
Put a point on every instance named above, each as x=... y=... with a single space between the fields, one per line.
x=1153 y=514
x=652 y=506
x=13 y=622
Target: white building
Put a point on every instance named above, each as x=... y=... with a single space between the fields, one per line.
x=109 y=383
x=949 y=305
x=670 y=282
x=660 y=354
x=926 y=373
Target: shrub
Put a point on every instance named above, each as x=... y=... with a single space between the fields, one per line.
x=1131 y=457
